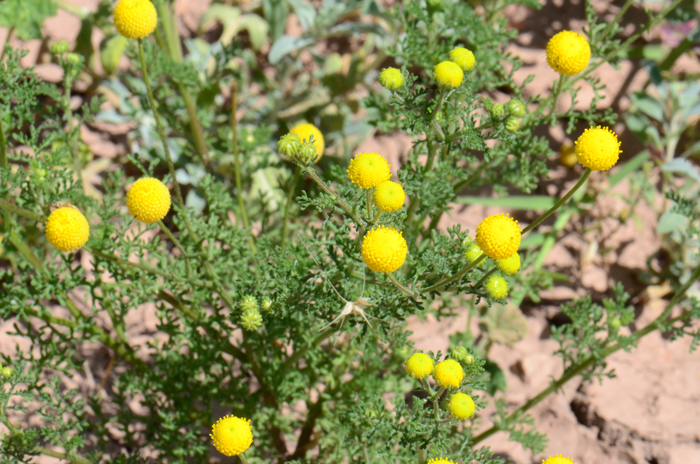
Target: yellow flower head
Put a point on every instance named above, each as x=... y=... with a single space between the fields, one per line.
x=368 y=170
x=448 y=75
x=384 y=249
x=463 y=57
x=558 y=459
x=135 y=19
x=461 y=406
x=598 y=148
x=389 y=196
x=448 y=373
x=498 y=236
x=567 y=155
x=441 y=461
x=391 y=78
x=232 y=435
x=305 y=131
x=496 y=287
x=568 y=53
x=67 y=229
x=509 y=265
x=148 y=200
x=419 y=366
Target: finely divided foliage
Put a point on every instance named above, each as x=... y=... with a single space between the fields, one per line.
x=274 y=215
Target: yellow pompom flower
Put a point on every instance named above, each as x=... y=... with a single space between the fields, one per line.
x=389 y=196
x=391 y=79
x=419 y=366
x=384 y=249
x=598 y=148
x=509 y=265
x=232 y=435
x=558 y=459
x=67 y=229
x=448 y=75
x=567 y=155
x=461 y=406
x=568 y=53
x=441 y=461
x=305 y=131
x=464 y=58
x=498 y=236
x=496 y=287
x=148 y=200
x=135 y=19
x=448 y=373
x=368 y=170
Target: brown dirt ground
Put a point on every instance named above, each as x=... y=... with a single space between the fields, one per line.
x=649 y=413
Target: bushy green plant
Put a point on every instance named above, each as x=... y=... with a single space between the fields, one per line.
x=274 y=300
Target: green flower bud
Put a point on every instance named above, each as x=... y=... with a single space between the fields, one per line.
x=248 y=303
x=40 y=174
x=468 y=359
x=512 y=124
x=60 y=47
x=267 y=304
x=473 y=252
x=251 y=320
x=8 y=372
x=615 y=323
x=391 y=78
x=307 y=152
x=496 y=110
x=74 y=58
x=459 y=353
x=516 y=108
x=289 y=144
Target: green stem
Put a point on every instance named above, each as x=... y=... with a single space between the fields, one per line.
x=243 y=458
x=359 y=222
x=558 y=204
x=590 y=361
x=555 y=95
x=178 y=245
x=72 y=458
x=4 y=164
x=301 y=352
x=486 y=276
x=288 y=206
x=237 y=155
x=401 y=287
x=459 y=275
x=7 y=41
x=368 y=198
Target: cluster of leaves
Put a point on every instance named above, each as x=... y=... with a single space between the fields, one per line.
x=162 y=386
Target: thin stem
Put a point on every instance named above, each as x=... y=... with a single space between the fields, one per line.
x=288 y=206
x=7 y=41
x=486 y=276
x=25 y=213
x=3 y=147
x=558 y=204
x=459 y=275
x=178 y=245
x=243 y=458
x=577 y=369
x=337 y=198
x=237 y=155
x=368 y=198
x=401 y=287
x=72 y=458
x=555 y=96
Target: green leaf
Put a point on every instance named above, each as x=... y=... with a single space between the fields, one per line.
x=528 y=203
x=26 y=16
x=232 y=22
x=671 y=222
x=504 y=324
x=628 y=168
x=498 y=379
x=681 y=166
x=286 y=45
x=111 y=52
x=648 y=105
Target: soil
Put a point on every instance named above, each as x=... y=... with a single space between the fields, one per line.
x=649 y=413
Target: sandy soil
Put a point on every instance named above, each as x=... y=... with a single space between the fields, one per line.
x=648 y=414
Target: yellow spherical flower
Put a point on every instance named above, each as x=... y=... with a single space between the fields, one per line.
x=305 y=131
x=67 y=229
x=498 y=236
x=232 y=435
x=448 y=373
x=448 y=75
x=441 y=461
x=598 y=148
x=419 y=366
x=509 y=265
x=463 y=57
x=135 y=19
x=568 y=53
x=496 y=287
x=461 y=406
x=558 y=459
x=148 y=200
x=391 y=78
x=567 y=155
x=389 y=196
x=368 y=170
x=384 y=249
